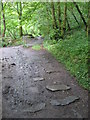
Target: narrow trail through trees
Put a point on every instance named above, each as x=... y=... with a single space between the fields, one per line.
x=35 y=85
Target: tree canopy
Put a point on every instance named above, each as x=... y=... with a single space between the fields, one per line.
x=49 y=19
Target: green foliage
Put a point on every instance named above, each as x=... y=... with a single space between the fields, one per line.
x=73 y=53
x=4 y=42
x=37 y=19
x=17 y=42
x=36 y=47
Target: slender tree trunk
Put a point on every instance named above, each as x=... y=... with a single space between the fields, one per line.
x=88 y=22
x=53 y=15
x=47 y=11
x=75 y=18
x=59 y=14
x=19 y=11
x=48 y=14
x=80 y=14
x=0 y=18
x=4 y=23
x=65 y=19
x=20 y=18
x=68 y=25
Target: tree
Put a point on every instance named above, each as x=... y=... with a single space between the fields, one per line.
x=4 y=23
x=88 y=22
x=0 y=18
x=19 y=11
x=53 y=15
x=64 y=21
x=71 y=10
x=68 y=25
x=80 y=14
x=49 y=19
x=59 y=14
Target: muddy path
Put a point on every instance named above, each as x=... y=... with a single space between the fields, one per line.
x=29 y=86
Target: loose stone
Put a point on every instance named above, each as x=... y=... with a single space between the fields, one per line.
x=65 y=101
x=57 y=87
x=38 y=79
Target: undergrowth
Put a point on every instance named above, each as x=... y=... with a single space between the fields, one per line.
x=7 y=42
x=36 y=47
x=73 y=53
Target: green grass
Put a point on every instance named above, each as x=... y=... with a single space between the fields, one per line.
x=36 y=47
x=18 y=42
x=73 y=53
x=9 y=42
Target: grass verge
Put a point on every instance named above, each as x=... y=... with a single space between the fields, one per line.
x=7 y=42
x=73 y=53
x=36 y=47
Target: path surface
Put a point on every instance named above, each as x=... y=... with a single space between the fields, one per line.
x=25 y=95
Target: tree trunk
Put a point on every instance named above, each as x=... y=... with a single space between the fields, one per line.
x=4 y=23
x=88 y=22
x=19 y=11
x=59 y=14
x=53 y=15
x=68 y=25
x=80 y=14
x=20 y=18
x=65 y=19
x=0 y=18
x=75 y=18
x=47 y=11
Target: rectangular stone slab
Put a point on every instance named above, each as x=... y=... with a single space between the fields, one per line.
x=57 y=87
x=65 y=101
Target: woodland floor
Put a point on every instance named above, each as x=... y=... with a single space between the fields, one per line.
x=23 y=97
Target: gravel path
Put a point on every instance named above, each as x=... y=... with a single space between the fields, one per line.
x=26 y=73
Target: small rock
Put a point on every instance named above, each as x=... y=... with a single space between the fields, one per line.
x=9 y=77
x=54 y=82
x=65 y=101
x=49 y=72
x=6 y=90
x=57 y=87
x=13 y=64
x=6 y=58
x=2 y=66
x=38 y=79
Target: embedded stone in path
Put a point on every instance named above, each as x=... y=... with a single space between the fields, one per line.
x=65 y=101
x=6 y=89
x=51 y=71
x=13 y=64
x=57 y=87
x=36 y=108
x=38 y=79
